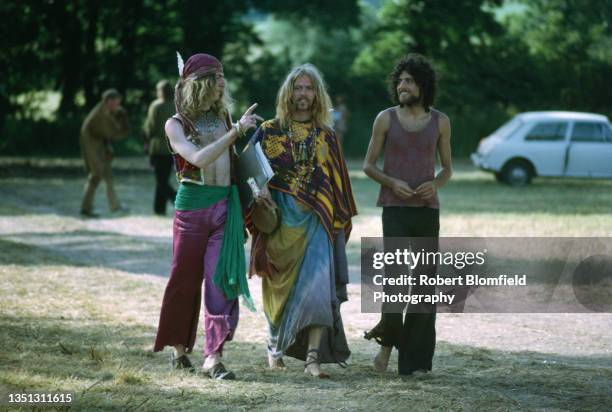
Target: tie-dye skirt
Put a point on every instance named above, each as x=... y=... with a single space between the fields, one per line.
x=303 y=292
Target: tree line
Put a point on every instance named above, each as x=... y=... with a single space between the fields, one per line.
x=494 y=58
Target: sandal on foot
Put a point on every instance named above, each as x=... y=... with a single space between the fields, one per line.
x=219 y=372
x=314 y=359
x=181 y=363
x=375 y=333
x=276 y=363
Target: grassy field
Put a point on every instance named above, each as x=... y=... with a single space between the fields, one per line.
x=79 y=301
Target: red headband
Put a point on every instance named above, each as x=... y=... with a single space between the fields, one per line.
x=197 y=66
x=200 y=65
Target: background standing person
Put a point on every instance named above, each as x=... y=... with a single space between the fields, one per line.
x=341 y=115
x=160 y=110
x=106 y=122
x=411 y=134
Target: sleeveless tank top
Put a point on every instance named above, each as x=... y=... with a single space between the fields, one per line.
x=411 y=157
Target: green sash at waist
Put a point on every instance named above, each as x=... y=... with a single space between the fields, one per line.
x=191 y=196
x=230 y=274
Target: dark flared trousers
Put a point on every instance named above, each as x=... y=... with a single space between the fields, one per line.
x=198 y=236
x=413 y=334
x=164 y=193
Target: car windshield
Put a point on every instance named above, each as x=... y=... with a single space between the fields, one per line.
x=508 y=128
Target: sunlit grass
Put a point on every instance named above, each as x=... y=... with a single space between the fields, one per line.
x=90 y=331
x=80 y=299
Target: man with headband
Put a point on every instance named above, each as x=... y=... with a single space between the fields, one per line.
x=208 y=234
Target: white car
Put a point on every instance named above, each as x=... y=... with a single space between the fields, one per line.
x=567 y=144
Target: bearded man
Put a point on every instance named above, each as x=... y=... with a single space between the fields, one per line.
x=410 y=133
x=303 y=261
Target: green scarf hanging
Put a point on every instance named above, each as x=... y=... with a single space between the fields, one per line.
x=230 y=274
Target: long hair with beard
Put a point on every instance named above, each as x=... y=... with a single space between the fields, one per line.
x=199 y=93
x=321 y=106
x=423 y=73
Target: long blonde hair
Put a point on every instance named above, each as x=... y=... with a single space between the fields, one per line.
x=321 y=106
x=198 y=94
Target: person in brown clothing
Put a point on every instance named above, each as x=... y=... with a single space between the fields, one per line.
x=410 y=134
x=160 y=158
x=106 y=122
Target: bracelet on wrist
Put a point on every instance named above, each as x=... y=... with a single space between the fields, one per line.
x=239 y=129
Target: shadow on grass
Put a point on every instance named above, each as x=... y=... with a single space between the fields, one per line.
x=66 y=167
x=61 y=196
x=111 y=365
x=133 y=254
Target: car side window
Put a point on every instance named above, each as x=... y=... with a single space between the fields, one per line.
x=608 y=132
x=549 y=132
x=588 y=132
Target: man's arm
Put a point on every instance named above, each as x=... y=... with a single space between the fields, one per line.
x=444 y=151
x=377 y=142
x=203 y=157
x=200 y=157
x=94 y=124
x=428 y=189
x=149 y=123
x=121 y=125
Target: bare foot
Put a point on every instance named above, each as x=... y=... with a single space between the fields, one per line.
x=276 y=363
x=381 y=361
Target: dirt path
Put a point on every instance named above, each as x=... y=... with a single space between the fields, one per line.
x=41 y=212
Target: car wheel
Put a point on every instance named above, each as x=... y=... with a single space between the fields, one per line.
x=499 y=177
x=517 y=173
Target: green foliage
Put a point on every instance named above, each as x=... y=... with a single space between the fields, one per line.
x=493 y=58
x=573 y=58
x=41 y=137
x=547 y=55
x=58 y=137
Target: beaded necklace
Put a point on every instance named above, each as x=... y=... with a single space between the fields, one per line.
x=208 y=123
x=204 y=126
x=304 y=156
